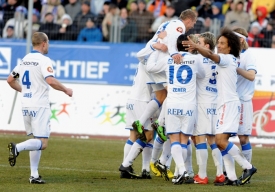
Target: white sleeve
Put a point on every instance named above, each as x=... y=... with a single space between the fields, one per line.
x=200 y=68
x=15 y=71
x=250 y=63
x=147 y=50
x=225 y=60
x=47 y=68
x=174 y=30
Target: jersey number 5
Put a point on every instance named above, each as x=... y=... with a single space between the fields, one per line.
x=213 y=80
x=187 y=79
x=26 y=79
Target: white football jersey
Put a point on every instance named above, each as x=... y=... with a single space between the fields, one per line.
x=33 y=70
x=207 y=87
x=246 y=87
x=227 y=79
x=173 y=28
x=141 y=91
x=182 y=79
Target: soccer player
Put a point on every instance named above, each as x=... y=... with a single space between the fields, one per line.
x=245 y=86
x=206 y=115
x=228 y=103
x=35 y=73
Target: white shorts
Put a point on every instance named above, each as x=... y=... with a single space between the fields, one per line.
x=228 y=118
x=159 y=78
x=134 y=110
x=180 y=118
x=37 y=121
x=206 y=119
x=246 y=118
x=158 y=87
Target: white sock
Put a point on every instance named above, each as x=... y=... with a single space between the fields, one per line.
x=184 y=154
x=168 y=162
x=150 y=109
x=176 y=152
x=217 y=157
x=29 y=145
x=34 y=162
x=202 y=157
x=158 y=143
x=229 y=165
x=188 y=161
x=247 y=151
x=235 y=152
x=146 y=156
x=166 y=152
x=161 y=118
x=134 y=152
x=127 y=147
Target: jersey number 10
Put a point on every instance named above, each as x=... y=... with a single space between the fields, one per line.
x=179 y=72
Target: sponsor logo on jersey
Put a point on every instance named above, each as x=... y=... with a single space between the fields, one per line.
x=49 y=69
x=5 y=61
x=205 y=60
x=179 y=29
x=170 y=61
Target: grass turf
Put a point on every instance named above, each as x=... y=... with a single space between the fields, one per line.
x=92 y=165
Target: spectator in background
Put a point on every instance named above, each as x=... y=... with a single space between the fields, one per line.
x=128 y=27
x=217 y=12
x=169 y=15
x=255 y=37
x=37 y=4
x=133 y=7
x=108 y=21
x=103 y=13
x=10 y=32
x=268 y=32
x=181 y=5
x=8 y=10
x=226 y=7
x=67 y=31
x=49 y=27
x=73 y=8
x=120 y=3
x=82 y=16
x=90 y=33
x=130 y=2
x=269 y=4
x=273 y=42
x=18 y=22
x=157 y=8
x=144 y=19
x=35 y=22
x=261 y=16
x=204 y=9
x=55 y=7
x=237 y=17
x=97 y=5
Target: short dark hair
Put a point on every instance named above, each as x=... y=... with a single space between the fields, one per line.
x=232 y=40
x=182 y=37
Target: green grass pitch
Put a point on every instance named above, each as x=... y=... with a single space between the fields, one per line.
x=92 y=165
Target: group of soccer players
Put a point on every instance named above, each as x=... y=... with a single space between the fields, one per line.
x=196 y=94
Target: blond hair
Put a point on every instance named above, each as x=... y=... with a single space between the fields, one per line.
x=38 y=38
x=243 y=32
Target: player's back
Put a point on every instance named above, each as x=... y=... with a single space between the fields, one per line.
x=33 y=70
x=206 y=87
x=182 y=79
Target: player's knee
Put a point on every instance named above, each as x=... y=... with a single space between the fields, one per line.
x=243 y=140
x=149 y=136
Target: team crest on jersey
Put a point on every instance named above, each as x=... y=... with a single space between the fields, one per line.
x=205 y=60
x=49 y=69
x=170 y=61
x=179 y=29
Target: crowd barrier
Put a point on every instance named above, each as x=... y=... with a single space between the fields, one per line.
x=101 y=75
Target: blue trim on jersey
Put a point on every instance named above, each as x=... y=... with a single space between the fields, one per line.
x=186 y=134
x=201 y=146
x=150 y=83
x=175 y=143
x=49 y=76
x=159 y=104
x=129 y=128
x=213 y=146
x=34 y=51
x=141 y=143
x=152 y=48
x=173 y=54
x=173 y=133
x=29 y=134
x=224 y=152
x=161 y=82
x=40 y=137
x=188 y=142
x=40 y=145
x=229 y=146
x=129 y=142
x=231 y=133
x=253 y=69
x=246 y=146
x=183 y=54
x=159 y=140
x=149 y=145
x=243 y=50
x=183 y=146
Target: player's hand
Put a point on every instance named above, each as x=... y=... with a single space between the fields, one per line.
x=160 y=46
x=177 y=58
x=162 y=34
x=69 y=92
x=189 y=44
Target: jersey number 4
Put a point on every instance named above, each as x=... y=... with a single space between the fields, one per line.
x=187 y=79
x=26 y=79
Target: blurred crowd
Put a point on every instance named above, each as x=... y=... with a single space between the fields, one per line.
x=134 y=21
